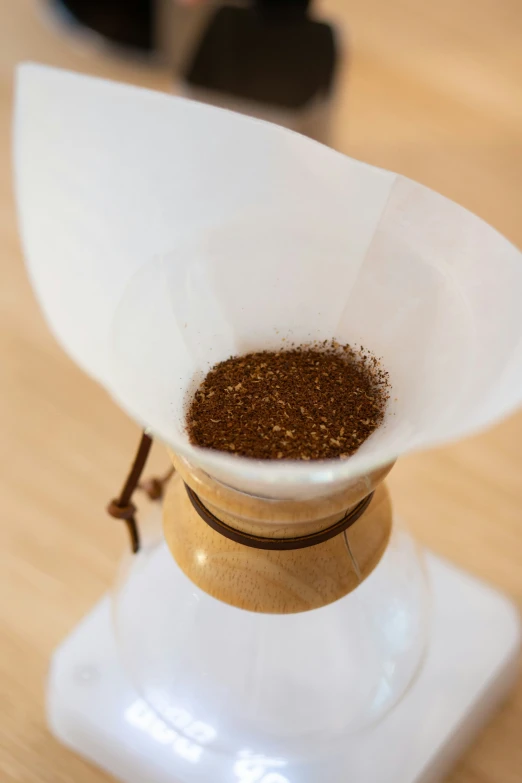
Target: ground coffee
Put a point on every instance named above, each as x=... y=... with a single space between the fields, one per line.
x=304 y=403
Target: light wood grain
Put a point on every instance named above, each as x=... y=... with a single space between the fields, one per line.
x=279 y=582
x=433 y=90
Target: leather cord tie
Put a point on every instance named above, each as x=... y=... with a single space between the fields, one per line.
x=121 y=512
x=278 y=544
x=122 y=507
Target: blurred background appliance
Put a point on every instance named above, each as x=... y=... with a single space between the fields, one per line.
x=268 y=58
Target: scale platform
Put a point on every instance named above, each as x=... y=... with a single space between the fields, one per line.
x=471 y=665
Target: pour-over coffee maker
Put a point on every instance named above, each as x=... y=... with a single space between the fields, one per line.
x=283 y=628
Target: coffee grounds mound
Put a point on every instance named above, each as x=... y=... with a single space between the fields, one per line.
x=305 y=403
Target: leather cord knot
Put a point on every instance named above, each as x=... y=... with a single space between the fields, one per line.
x=122 y=507
x=121 y=512
x=154 y=487
x=127 y=513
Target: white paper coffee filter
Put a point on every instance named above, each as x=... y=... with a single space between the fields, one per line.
x=163 y=235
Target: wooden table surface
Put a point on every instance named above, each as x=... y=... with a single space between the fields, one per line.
x=433 y=91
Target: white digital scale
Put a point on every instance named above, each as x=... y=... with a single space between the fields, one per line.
x=471 y=665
